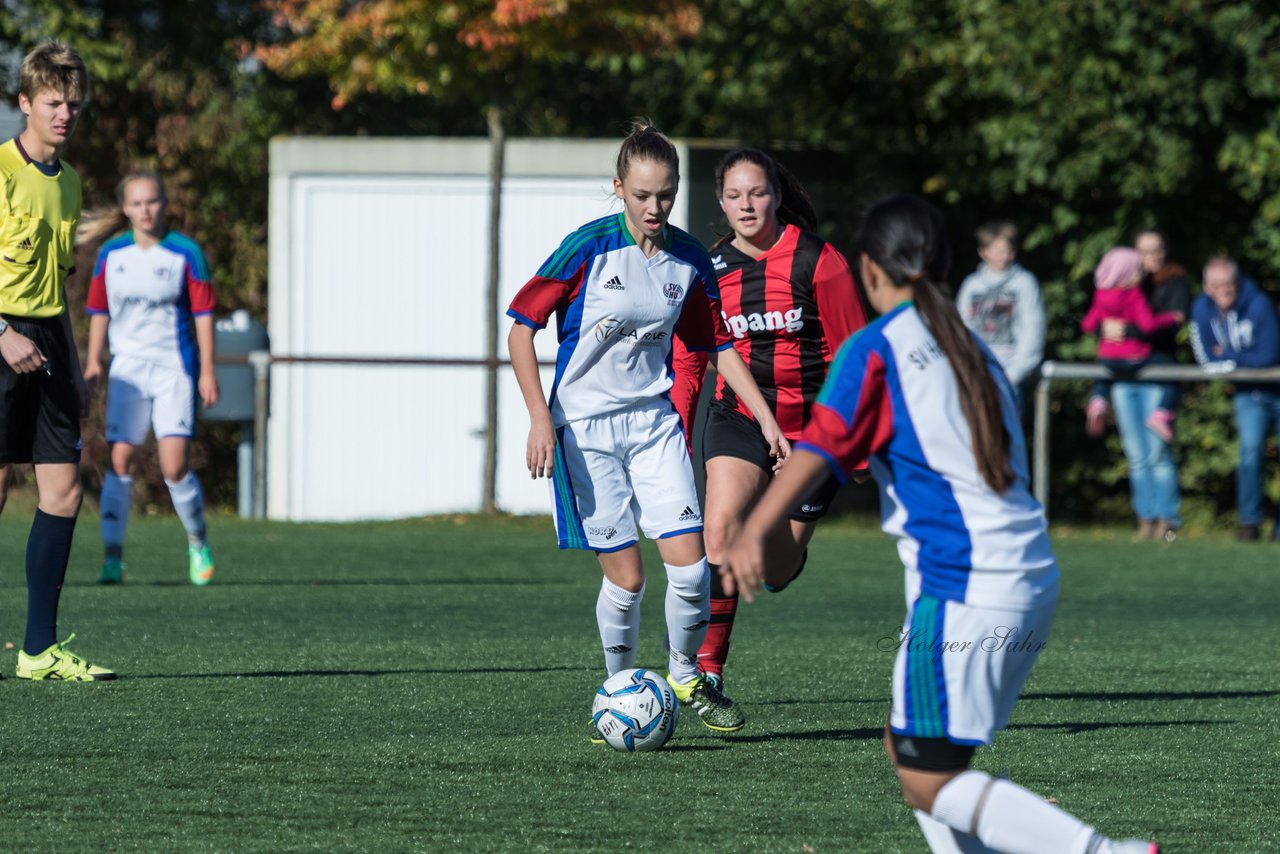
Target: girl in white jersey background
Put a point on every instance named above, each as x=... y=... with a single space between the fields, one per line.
x=608 y=436
x=151 y=296
x=920 y=399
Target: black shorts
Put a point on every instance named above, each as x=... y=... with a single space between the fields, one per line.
x=931 y=754
x=40 y=411
x=729 y=433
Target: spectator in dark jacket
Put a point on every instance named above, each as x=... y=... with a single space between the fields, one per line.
x=1234 y=325
x=1167 y=288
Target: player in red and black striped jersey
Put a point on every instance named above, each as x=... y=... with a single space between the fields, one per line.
x=789 y=300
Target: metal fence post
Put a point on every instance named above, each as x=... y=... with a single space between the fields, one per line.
x=261 y=361
x=1041 y=428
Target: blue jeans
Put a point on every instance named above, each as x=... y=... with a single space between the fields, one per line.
x=1169 y=399
x=1255 y=412
x=1153 y=477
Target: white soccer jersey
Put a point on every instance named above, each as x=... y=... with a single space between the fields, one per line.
x=891 y=397
x=152 y=296
x=616 y=313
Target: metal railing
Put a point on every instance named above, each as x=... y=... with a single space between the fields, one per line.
x=261 y=362
x=1051 y=372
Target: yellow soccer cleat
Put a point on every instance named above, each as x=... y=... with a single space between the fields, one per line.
x=716 y=711
x=61 y=664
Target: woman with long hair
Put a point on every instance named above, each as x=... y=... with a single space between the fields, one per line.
x=930 y=409
x=789 y=301
x=151 y=295
x=608 y=436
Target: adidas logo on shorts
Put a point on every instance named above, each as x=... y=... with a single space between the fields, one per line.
x=614 y=284
x=689 y=515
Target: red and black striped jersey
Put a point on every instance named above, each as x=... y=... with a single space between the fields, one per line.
x=788 y=311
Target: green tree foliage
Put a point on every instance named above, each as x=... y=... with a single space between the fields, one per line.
x=1079 y=121
x=170 y=92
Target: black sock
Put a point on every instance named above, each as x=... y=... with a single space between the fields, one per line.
x=48 y=550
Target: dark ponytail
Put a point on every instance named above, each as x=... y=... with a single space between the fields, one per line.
x=646 y=142
x=906 y=236
x=794 y=205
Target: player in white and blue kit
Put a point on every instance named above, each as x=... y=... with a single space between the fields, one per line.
x=608 y=436
x=151 y=294
x=919 y=398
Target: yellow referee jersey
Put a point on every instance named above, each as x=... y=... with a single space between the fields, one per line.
x=38 y=216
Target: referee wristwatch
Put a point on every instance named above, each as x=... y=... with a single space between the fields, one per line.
x=4 y=326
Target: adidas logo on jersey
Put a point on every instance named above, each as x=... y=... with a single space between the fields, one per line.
x=689 y=515
x=771 y=321
x=26 y=243
x=614 y=284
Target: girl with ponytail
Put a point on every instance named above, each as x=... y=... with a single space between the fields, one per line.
x=152 y=299
x=789 y=300
x=607 y=436
x=916 y=396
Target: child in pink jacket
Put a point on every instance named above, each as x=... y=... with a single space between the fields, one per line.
x=1117 y=296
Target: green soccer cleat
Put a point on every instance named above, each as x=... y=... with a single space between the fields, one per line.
x=716 y=711
x=596 y=737
x=200 y=564
x=112 y=571
x=60 y=664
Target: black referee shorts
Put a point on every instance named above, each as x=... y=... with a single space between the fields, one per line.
x=729 y=433
x=40 y=411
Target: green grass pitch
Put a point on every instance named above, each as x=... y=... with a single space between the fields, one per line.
x=424 y=686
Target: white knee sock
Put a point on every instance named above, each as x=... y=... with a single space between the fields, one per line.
x=188 y=501
x=618 y=616
x=1008 y=818
x=948 y=840
x=688 y=606
x=113 y=509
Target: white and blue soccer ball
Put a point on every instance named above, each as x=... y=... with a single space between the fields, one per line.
x=635 y=710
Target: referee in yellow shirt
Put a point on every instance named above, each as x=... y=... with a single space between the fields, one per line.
x=41 y=387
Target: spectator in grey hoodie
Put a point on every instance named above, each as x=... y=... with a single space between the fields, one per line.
x=1001 y=303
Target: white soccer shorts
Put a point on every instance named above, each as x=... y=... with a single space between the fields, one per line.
x=143 y=395
x=617 y=470
x=961 y=667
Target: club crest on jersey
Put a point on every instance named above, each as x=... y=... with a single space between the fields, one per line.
x=673 y=293
x=792 y=320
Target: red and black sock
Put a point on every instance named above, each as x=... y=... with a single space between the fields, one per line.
x=715 y=648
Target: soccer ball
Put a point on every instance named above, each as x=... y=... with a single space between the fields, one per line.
x=635 y=710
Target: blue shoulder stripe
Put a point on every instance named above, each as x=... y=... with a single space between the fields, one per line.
x=189 y=249
x=120 y=241
x=570 y=254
